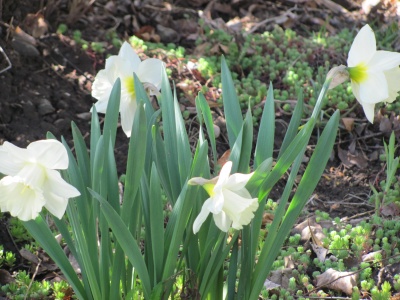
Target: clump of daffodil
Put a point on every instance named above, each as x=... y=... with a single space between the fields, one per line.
x=230 y=202
x=33 y=181
x=374 y=75
x=123 y=66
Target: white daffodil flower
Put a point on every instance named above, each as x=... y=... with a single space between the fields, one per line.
x=230 y=202
x=375 y=75
x=33 y=181
x=123 y=66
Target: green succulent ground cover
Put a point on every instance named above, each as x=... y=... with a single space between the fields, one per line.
x=292 y=63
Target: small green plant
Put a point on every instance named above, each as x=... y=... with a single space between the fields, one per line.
x=383 y=293
x=62 y=28
x=18 y=231
x=390 y=186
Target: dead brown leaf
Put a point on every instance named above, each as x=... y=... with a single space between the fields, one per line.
x=305 y=228
x=338 y=281
x=267 y=218
x=35 y=25
x=320 y=251
x=348 y=158
x=348 y=124
x=371 y=256
x=391 y=209
x=148 y=34
x=281 y=277
x=224 y=158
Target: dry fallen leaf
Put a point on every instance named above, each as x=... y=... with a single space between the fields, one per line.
x=348 y=124
x=267 y=218
x=371 y=256
x=36 y=25
x=391 y=209
x=224 y=158
x=269 y=285
x=304 y=230
x=281 y=277
x=320 y=252
x=338 y=281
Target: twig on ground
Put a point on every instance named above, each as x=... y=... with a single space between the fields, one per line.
x=33 y=278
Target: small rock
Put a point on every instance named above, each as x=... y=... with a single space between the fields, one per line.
x=29 y=110
x=167 y=35
x=84 y=116
x=45 y=126
x=217 y=131
x=62 y=104
x=61 y=124
x=45 y=107
x=25 y=49
x=5 y=277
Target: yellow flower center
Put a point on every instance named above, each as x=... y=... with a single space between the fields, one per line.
x=26 y=190
x=129 y=84
x=359 y=73
x=209 y=187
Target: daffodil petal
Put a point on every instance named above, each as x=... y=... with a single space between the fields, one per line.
x=58 y=186
x=393 y=80
x=129 y=55
x=216 y=203
x=222 y=221
x=223 y=175
x=49 y=153
x=32 y=174
x=101 y=89
x=202 y=181
x=247 y=215
x=56 y=192
x=374 y=89
x=236 y=204
x=369 y=110
x=237 y=181
x=21 y=200
x=383 y=61
x=113 y=68
x=127 y=110
x=363 y=47
x=55 y=204
x=150 y=70
x=10 y=162
x=239 y=209
x=202 y=216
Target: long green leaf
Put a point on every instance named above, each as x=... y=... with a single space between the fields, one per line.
x=41 y=232
x=111 y=118
x=233 y=112
x=157 y=223
x=294 y=124
x=241 y=151
x=136 y=159
x=127 y=242
x=204 y=110
x=81 y=154
x=94 y=134
x=183 y=146
x=266 y=131
x=170 y=137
